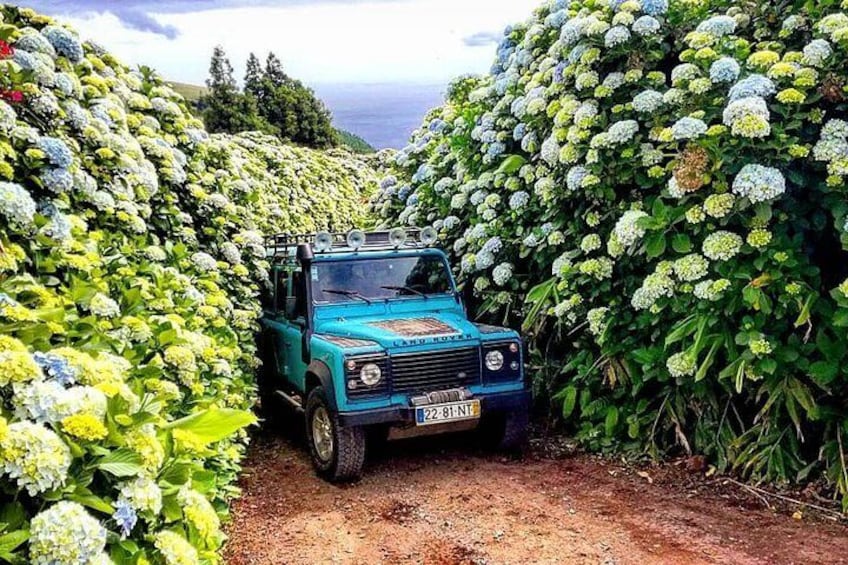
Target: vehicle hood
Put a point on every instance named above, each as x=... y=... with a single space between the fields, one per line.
x=402 y=331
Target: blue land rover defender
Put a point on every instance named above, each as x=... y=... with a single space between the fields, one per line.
x=367 y=332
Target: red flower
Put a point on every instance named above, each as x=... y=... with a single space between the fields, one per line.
x=6 y=50
x=12 y=95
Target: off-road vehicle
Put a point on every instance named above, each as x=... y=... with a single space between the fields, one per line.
x=366 y=332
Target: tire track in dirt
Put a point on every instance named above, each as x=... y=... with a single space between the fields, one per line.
x=421 y=502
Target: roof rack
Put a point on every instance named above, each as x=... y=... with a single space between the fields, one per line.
x=322 y=243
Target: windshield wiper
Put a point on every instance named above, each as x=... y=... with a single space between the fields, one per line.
x=348 y=293
x=405 y=289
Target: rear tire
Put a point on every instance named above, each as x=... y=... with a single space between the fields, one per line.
x=337 y=453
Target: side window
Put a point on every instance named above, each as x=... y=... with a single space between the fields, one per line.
x=279 y=279
x=297 y=296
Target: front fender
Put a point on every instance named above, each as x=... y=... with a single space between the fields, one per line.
x=320 y=371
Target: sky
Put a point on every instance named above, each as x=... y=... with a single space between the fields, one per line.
x=319 y=41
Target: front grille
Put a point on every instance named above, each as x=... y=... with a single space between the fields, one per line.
x=435 y=370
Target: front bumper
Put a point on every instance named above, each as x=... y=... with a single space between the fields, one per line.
x=497 y=403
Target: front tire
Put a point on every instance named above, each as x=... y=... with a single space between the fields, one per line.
x=507 y=432
x=338 y=453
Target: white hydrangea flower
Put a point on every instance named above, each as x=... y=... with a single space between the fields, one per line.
x=627 y=230
x=722 y=245
x=204 y=262
x=66 y=533
x=34 y=457
x=103 y=306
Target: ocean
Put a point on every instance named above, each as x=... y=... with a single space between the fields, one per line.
x=384 y=115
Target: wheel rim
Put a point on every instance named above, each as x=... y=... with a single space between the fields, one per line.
x=322 y=433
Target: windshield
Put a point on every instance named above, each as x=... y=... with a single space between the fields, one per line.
x=368 y=280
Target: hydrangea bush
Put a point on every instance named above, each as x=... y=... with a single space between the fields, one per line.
x=131 y=260
x=657 y=190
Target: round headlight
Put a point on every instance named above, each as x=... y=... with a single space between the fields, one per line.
x=494 y=360
x=370 y=374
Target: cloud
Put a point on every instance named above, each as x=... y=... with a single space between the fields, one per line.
x=136 y=14
x=483 y=38
x=141 y=21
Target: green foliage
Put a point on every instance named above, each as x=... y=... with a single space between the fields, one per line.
x=272 y=102
x=656 y=192
x=224 y=108
x=287 y=105
x=131 y=259
x=354 y=142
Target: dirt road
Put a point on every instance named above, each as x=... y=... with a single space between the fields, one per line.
x=422 y=502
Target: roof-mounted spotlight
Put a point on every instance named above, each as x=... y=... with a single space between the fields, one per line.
x=429 y=236
x=323 y=242
x=397 y=237
x=356 y=239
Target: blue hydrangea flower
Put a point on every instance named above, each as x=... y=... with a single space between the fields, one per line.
x=816 y=52
x=495 y=149
x=57 y=180
x=56 y=367
x=64 y=83
x=559 y=72
x=519 y=132
x=648 y=101
x=655 y=7
x=519 y=200
x=718 y=26
x=493 y=245
x=57 y=152
x=437 y=125
x=725 y=69
x=622 y=132
x=751 y=86
x=688 y=128
x=64 y=42
x=758 y=183
x=646 y=25
x=388 y=182
x=575 y=176
x=125 y=516
x=59 y=227
x=34 y=42
x=16 y=204
x=616 y=36
x=556 y=19
x=8 y=117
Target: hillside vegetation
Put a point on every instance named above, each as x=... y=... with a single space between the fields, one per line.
x=655 y=191
x=131 y=259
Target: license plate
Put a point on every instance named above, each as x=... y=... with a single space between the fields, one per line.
x=450 y=412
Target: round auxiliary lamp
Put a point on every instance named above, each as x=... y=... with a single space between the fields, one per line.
x=397 y=237
x=323 y=242
x=356 y=239
x=429 y=236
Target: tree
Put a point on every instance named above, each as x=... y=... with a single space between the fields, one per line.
x=272 y=102
x=225 y=108
x=292 y=108
x=253 y=77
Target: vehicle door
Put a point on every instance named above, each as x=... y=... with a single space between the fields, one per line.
x=291 y=325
